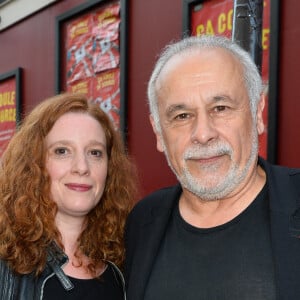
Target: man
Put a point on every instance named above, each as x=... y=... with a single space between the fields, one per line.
x=230 y=229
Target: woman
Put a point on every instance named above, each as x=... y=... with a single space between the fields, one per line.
x=67 y=186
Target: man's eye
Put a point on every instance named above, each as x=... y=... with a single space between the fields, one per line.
x=182 y=116
x=220 y=108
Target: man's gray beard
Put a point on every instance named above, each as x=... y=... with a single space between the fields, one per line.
x=230 y=181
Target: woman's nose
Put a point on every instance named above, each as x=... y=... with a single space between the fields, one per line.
x=80 y=165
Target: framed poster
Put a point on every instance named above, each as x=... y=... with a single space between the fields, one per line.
x=10 y=105
x=215 y=17
x=91 y=55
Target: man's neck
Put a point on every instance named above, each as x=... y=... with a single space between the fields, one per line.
x=210 y=213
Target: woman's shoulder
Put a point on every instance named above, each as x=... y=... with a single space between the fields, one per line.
x=9 y=281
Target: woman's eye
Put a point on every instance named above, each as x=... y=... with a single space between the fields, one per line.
x=96 y=153
x=60 y=151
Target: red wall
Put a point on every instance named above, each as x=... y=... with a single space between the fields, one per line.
x=152 y=24
x=30 y=44
x=289 y=81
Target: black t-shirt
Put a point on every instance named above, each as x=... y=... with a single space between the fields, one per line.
x=228 y=262
x=105 y=287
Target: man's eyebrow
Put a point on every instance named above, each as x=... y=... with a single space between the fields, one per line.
x=173 y=108
x=220 y=98
x=176 y=107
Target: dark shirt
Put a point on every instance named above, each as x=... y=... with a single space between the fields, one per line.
x=229 y=262
x=105 y=287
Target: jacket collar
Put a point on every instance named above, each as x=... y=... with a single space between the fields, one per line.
x=284 y=197
x=55 y=260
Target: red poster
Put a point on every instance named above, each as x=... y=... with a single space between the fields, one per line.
x=212 y=17
x=93 y=58
x=84 y=86
x=79 y=49
x=215 y=17
x=107 y=93
x=106 y=32
x=7 y=112
x=107 y=55
x=265 y=73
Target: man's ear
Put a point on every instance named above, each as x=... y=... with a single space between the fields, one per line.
x=159 y=139
x=259 y=114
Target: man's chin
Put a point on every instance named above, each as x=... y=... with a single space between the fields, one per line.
x=210 y=186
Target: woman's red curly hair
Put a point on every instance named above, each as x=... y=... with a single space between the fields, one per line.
x=27 y=226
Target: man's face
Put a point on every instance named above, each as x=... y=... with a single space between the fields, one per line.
x=207 y=130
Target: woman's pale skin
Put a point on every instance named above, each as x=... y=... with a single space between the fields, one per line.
x=77 y=164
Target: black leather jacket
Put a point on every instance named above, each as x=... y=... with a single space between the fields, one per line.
x=31 y=287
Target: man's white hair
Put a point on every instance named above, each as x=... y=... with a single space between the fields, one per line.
x=252 y=78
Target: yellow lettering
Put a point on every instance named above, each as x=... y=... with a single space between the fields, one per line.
x=80 y=28
x=7 y=98
x=209 y=28
x=105 y=15
x=106 y=80
x=8 y=115
x=107 y=21
x=229 y=19
x=265 y=38
x=225 y=21
x=80 y=87
x=221 y=23
x=200 y=29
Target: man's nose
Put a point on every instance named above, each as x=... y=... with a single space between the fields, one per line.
x=203 y=129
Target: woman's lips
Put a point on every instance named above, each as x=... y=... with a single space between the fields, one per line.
x=78 y=187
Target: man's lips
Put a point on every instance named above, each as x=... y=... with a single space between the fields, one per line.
x=209 y=159
x=78 y=187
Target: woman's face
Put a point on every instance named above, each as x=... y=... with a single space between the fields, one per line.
x=77 y=163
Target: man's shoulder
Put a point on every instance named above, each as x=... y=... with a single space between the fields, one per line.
x=292 y=173
x=284 y=185
x=278 y=169
x=161 y=197
x=155 y=206
x=159 y=201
